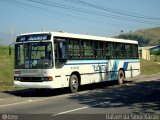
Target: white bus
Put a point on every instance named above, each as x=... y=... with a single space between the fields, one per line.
x=59 y=59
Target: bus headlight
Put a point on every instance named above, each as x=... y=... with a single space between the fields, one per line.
x=50 y=78
x=17 y=78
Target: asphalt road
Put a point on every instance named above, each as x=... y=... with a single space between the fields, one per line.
x=133 y=100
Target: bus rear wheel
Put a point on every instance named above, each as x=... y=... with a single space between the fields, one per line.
x=121 y=77
x=74 y=83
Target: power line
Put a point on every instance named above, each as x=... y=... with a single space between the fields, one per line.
x=113 y=10
x=27 y=6
x=74 y=9
x=23 y=5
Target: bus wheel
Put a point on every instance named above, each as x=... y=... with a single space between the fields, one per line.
x=73 y=83
x=121 y=77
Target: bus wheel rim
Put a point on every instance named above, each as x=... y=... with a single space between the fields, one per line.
x=74 y=83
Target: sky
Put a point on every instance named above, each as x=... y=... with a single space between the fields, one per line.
x=94 y=17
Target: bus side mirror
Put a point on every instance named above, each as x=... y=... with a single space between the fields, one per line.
x=10 y=51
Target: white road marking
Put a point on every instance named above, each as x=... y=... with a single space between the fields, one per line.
x=14 y=103
x=77 y=109
x=31 y=100
x=41 y=99
x=28 y=101
x=69 y=111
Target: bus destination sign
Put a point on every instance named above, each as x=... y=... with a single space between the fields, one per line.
x=35 y=37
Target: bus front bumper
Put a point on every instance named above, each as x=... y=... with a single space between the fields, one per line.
x=46 y=84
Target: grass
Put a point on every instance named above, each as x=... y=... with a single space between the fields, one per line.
x=155 y=58
x=6 y=69
x=7 y=65
x=149 y=67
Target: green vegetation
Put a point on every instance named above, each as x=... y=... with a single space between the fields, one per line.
x=156 y=52
x=146 y=37
x=149 y=67
x=6 y=69
x=155 y=58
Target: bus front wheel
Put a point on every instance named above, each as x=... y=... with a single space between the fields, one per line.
x=121 y=77
x=73 y=83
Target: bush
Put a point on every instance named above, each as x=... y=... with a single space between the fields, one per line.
x=156 y=52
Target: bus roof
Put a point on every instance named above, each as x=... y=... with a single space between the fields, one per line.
x=82 y=36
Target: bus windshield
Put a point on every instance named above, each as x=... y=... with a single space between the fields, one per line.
x=35 y=55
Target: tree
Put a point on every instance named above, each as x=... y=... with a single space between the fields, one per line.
x=141 y=40
x=156 y=52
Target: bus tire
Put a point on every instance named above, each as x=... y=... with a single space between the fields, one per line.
x=121 y=77
x=73 y=83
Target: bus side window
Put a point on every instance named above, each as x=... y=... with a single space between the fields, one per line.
x=127 y=50
x=74 y=49
x=113 y=53
x=61 y=52
x=107 y=50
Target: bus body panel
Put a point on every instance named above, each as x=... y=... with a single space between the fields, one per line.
x=131 y=68
x=37 y=74
x=90 y=71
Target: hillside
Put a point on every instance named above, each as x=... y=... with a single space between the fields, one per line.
x=144 y=37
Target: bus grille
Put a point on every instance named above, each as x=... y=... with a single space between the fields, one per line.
x=32 y=79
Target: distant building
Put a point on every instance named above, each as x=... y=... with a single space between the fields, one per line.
x=145 y=54
x=145 y=51
x=146 y=47
x=155 y=48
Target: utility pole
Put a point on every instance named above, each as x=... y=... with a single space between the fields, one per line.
x=42 y=29
x=12 y=32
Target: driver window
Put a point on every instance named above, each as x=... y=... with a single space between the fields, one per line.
x=61 y=51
